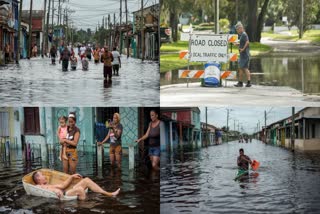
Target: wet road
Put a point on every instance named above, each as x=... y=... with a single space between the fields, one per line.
x=139 y=188
x=202 y=181
x=37 y=82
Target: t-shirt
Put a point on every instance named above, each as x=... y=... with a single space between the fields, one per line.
x=63 y=132
x=243 y=39
x=117 y=141
x=243 y=164
x=107 y=59
x=116 y=56
x=65 y=54
x=82 y=50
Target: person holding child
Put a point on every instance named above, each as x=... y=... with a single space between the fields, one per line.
x=114 y=134
x=71 y=142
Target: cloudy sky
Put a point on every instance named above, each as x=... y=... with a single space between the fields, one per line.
x=247 y=117
x=89 y=12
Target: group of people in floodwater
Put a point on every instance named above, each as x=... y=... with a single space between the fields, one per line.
x=110 y=59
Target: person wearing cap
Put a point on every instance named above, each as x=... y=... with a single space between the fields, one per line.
x=72 y=139
x=244 y=56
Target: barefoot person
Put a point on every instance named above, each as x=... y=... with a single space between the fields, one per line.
x=73 y=135
x=244 y=56
x=78 y=190
x=115 y=132
x=116 y=64
x=153 y=133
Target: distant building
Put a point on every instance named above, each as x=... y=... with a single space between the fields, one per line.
x=306 y=131
x=214 y=134
x=150 y=30
x=182 y=126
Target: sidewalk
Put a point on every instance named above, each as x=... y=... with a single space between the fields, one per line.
x=195 y=95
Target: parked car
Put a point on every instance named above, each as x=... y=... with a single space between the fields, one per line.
x=165 y=35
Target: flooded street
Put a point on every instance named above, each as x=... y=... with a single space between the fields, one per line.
x=37 y=82
x=300 y=73
x=201 y=181
x=139 y=188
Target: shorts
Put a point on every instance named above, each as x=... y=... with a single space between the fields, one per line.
x=115 y=150
x=244 y=61
x=154 y=151
x=107 y=71
x=72 y=154
x=115 y=68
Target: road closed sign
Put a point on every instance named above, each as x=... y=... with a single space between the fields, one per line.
x=204 y=48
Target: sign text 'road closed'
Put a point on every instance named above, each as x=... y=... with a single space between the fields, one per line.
x=204 y=48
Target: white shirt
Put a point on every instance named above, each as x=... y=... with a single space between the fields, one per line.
x=116 y=56
x=82 y=50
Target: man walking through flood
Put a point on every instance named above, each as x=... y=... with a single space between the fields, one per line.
x=244 y=56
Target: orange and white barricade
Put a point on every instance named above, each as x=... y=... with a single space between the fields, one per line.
x=193 y=74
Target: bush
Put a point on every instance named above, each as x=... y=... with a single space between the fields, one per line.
x=224 y=25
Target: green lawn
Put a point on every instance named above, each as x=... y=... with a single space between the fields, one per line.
x=310 y=35
x=169 y=59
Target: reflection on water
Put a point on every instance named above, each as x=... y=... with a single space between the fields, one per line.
x=37 y=82
x=301 y=73
x=201 y=181
x=139 y=188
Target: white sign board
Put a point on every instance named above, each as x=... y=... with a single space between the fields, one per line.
x=205 y=48
x=184 y=36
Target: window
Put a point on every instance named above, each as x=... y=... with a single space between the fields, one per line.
x=31 y=120
x=4 y=124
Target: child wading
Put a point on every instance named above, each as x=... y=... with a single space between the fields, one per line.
x=74 y=61
x=62 y=135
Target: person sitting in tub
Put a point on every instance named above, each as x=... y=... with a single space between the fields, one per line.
x=77 y=190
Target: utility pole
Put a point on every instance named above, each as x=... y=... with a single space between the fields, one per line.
x=109 y=29
x=44 y=35
x=301 y=20
x=19 y=29
x=227 y=123
x=47 y=27
x=216 y=16
x=265 y=126
x=59 y=13
x=52 y=15
x=142 y=32
x=234 y=125
x=114 y=31
x=292 y=130
x=206 y=126
x=127 y=29
x=120 y=28
x=30 y=30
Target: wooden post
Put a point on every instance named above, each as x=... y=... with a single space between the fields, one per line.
x=142 y=32
x=127 y=29
x=120 y=32
x=44 y=24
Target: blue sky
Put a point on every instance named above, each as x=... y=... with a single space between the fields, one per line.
x=89 y=13
x=248 y=117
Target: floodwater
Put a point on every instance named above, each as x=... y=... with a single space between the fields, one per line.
x=301 y=73
x=201 y=181
x=139 y=187
x=36 y=82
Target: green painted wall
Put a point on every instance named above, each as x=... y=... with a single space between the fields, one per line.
x=129 y=121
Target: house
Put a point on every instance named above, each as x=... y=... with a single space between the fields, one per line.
x=150 y=31
x=306 y=131
x=37 y=26
x=38 y=125
x=210 y=131
x=8 y=27
x=181 y=126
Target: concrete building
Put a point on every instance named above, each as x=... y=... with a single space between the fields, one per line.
x=150 y=30
x=38 y=126
x=306 y=131
x=210 y=131
x=181 y=127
